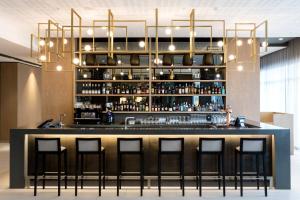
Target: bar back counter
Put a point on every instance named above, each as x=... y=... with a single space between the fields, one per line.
x=278 y=149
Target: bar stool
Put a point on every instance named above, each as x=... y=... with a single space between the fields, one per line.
x=45 y=147
x=171 y=146
x=255 y=147
x=134 y=147
x=214 y=147
x=89 y=146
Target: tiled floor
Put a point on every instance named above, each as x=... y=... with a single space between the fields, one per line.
x=131 y=193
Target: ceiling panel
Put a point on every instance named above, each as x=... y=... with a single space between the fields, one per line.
x=283 y=15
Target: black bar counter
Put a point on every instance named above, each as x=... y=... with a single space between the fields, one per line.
x=278 y=140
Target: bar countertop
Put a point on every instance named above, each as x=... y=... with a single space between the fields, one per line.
x=250 y=128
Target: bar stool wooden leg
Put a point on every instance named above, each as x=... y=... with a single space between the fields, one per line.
x=182 y=172
x=142 y=172
x=235 y=169
x=257 y=170
x=265 y=176
x=103 y=168
x=197 y=170
x=200 y=174
x=76 y=172
x=223 y=174
x=241 y=173
x=159 y=174
x=99 y=172
x=219 y=171
x=81 y=170
x=59 y=172
x=118 y=174
x=36 y=168
x=44 y=169
x=121 y=164
x=66 y=168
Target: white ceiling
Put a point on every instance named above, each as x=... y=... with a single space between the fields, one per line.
x=18 y=18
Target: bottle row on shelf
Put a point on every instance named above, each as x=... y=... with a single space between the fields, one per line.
x=188 y=107
x=163 y=88
x=97 y=88
x=130 y=105
x=188 y=88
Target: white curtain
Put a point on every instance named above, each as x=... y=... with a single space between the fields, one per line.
x=280 y=83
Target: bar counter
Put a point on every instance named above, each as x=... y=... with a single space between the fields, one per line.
x=278 y=142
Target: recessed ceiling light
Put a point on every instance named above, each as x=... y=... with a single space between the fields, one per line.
x=264 y=44
x=161 y=73
x=142 y=44
x=172 y=47
x=87 y=47
x=240 y=68
x=43 y=58
x=239 y=43
x=231 y=57
x=58 y=68
x=220 y=43
x=85 y=75
x=280 y=39
x=76 y=61
x=168 y=31
x=90 y=31
x=122 y=73
x=65 y=41
x=42 y=43
x=119 y=62
x=51 y=44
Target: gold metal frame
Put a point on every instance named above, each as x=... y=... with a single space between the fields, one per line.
x=73 y=14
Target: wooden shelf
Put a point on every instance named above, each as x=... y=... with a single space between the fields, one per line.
x=168 y=112
x=186 y=81
x=143 y=52
x=188 y=67
x=112 y=95
x=112 y=81
x=187 y=95
x=115 y=52
x=112 y=67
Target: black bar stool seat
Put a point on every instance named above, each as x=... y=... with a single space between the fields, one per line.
x=134 y=147
x=171 y=146
x=214 y=147
x=43 y=148
x=89 y=146
x=254 y=147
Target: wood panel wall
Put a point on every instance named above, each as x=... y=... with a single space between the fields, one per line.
x=8 y=97
x=20 y=97
x=243 y=87
x=29 y=96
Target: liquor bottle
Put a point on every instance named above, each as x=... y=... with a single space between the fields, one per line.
x=223 y=90
x=179 y=89
x=174 y=106
x=147 y=107
x=83 y=89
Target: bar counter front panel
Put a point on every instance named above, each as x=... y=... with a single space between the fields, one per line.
x=278 y=158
